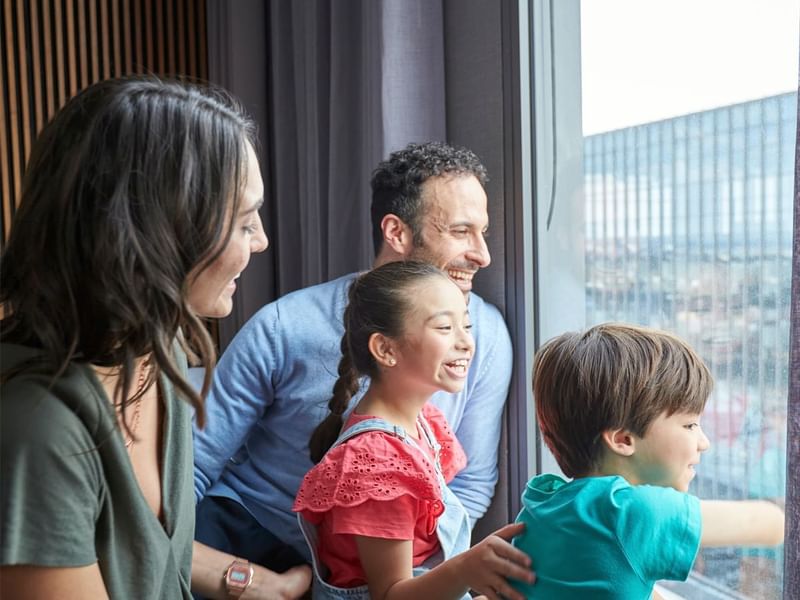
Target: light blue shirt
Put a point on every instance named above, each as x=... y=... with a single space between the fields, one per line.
x=272 y=386
x=604 y=539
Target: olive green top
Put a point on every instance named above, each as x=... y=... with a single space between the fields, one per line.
x=68 y=494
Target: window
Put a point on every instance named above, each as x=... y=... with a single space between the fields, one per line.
x=685 y=218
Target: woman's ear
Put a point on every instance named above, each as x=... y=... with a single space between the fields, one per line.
x=382 y=349
x=619 y=441
x=397 y=235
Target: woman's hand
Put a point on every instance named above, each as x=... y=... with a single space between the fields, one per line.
x=486 y=565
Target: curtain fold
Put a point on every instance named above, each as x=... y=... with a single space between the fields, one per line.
x=337 y=86
x=334 y=88
x=348 y=83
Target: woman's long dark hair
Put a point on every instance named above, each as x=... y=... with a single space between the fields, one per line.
x=378 y=302
x=128 y=194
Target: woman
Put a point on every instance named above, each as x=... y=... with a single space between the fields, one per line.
x=139 y=210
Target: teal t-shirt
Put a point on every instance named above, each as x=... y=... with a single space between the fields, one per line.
x=68 y=493
x=604 y=539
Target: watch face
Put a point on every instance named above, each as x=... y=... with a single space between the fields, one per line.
x=238 y=578
x=239 y=575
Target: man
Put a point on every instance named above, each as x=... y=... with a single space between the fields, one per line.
x=273 y=383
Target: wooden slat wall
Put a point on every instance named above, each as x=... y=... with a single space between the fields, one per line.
x=50 y=49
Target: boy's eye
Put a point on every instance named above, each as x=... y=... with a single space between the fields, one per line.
x=444 y=327
x=692 y=426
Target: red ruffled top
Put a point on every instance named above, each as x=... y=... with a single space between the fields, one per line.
x=376 y=485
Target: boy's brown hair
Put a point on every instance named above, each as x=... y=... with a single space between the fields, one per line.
x=612 y=376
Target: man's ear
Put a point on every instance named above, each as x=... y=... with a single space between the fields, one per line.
x=619 y=441
x=397 y=234
x=382 y=349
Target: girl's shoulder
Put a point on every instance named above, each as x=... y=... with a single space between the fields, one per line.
x=371 y=466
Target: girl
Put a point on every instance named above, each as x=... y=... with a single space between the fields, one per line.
x=376 y=508
x=139 y=210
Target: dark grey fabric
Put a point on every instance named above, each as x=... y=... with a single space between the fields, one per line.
x=475 y=119
x=791 y=587
x=335 y=87
x=237 y=60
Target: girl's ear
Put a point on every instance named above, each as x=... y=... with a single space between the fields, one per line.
x=382 y=349
x=397 y=235
x=619 y=441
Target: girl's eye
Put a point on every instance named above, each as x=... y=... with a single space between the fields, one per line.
x=250 y=228
x=468 y=326
x=691 y=426
x=444 y=327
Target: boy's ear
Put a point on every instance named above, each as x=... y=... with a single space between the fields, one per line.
x=397 y=235
x=619 y=441
x=382 y=349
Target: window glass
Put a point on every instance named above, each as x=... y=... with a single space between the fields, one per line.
x=689 y=175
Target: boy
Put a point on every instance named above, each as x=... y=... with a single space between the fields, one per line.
x=619 y=406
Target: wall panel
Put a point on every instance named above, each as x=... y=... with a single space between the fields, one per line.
x=51 y=49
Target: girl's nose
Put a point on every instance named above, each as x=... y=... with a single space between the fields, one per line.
x=465 y=341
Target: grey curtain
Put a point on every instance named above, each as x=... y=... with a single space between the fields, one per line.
x=350 y=81
x=791 y=588
x=335 y=86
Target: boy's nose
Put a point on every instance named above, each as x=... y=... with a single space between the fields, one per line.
x=703 y=443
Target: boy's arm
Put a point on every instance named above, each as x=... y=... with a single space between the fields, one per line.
x=741 y=523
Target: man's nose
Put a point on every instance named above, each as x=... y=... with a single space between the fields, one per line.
x=479 y=253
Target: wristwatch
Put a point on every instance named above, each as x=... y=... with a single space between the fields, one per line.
x=238 y=576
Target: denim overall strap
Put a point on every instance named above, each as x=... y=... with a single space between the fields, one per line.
x=452 y=527
x=372 y=424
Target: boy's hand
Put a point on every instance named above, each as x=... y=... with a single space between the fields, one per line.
x=490 y=562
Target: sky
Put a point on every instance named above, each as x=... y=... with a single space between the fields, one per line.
x=647 y=60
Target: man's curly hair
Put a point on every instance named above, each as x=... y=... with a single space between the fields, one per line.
x=397 y=182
